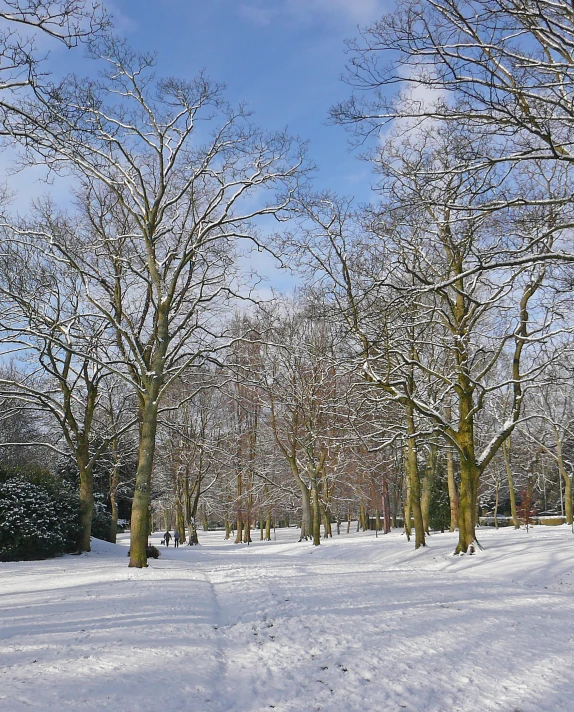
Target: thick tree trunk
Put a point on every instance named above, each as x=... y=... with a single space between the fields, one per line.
x=452 y=493
x=239 y=533
x=386 y=507
x=306 y=514
x=114 y=483
x=140 y=506
x=469 y=479
x=179 y=522
x=363 y=516
x=316 y=513
x=248 y=518
x=267 y=515
x=325 y=506
x=413 y=475
x=86 y=495
x=239 y=530
x=469 y=472
x=427 y=485
x=247 y=531
x=510 y=477
x=192 y=519
x=193 y=538
x=466 y=517
x=567 y=482
x=268 y=526
x=407 y=502
x=328 y=532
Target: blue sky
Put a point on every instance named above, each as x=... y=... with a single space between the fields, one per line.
x=283 y=58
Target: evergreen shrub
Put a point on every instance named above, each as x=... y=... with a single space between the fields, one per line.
x=101 y=521
x=30 y=525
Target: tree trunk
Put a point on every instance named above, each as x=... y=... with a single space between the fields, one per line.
x=427 y=485
x=193 y=538
x=466 y=517
x=567 y=482
x=239 y=530
x=86 y=495
x=407 y=502
x=452 y=493
x=179 y=523
x=413 y=475
x=469 y=473
x=306 y=515
x=267 y=516
x=249 y=514
x=386 y=507
x=239 y=534
x=327 y=523
x=363 y=516
x=114 y=483
x=268 y=526
x=511 y=491
x=247 y=530
x=141 y=501
x=316 y=513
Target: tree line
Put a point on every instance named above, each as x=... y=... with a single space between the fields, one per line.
x=421 y=373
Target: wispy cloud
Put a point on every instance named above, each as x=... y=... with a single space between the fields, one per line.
x=262 y=12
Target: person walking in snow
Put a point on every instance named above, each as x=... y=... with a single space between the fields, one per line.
x=176 y=538
x=167 y=537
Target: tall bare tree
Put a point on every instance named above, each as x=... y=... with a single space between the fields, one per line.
x=163 y=201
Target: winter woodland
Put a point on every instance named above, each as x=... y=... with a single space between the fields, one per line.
x=418 y=379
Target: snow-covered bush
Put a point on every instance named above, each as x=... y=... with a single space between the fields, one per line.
x=67 y=503
x=30 y=526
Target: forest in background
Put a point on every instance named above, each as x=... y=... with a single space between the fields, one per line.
x=420 y=375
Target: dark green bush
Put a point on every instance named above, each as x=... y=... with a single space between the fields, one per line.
x=101 y=521
x=40 y=517
x=439 y=505
x=30 y=527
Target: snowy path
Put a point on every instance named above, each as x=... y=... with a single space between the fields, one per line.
x=357 y=624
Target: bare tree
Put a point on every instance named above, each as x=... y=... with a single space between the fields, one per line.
x=46 y=321
x=550 y=428
x=162 y=203
x=431 y=337
x=501 y=68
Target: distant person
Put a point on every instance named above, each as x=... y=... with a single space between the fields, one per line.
x=166 y=538
x=176 y=538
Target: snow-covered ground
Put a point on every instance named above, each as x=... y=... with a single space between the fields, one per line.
x=357 y=624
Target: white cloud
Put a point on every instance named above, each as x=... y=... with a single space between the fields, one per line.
x=262 y=12
x=257 y=13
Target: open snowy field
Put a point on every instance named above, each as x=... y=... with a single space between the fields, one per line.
x=356 y=624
